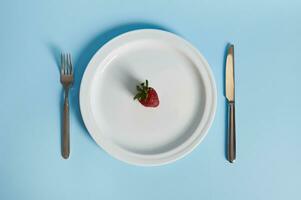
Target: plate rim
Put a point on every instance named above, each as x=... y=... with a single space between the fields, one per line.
x=152 y=162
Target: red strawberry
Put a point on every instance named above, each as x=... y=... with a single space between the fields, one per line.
x=147 y=96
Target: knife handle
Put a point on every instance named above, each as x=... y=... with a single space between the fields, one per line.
x=231 y=132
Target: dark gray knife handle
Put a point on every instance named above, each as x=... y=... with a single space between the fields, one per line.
x=66 y=128
x=231 y=132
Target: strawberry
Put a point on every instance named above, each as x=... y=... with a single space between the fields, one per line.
x=147 y=96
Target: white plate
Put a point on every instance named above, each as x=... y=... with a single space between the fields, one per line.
x=136 y=134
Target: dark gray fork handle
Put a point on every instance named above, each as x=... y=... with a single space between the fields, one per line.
x=231 y=132
x=66 y=128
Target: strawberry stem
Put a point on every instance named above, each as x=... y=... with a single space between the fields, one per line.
x=142 y=91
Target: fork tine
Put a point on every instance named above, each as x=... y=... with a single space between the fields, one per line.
x=62 y=64
x=67 y=64
x=70 y=64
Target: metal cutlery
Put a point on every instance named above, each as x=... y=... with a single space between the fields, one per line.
x=67 y=81
x=230 y=95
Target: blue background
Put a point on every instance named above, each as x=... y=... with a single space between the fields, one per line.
x=267 y=42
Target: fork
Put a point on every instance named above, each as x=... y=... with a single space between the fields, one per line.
x=67 y=81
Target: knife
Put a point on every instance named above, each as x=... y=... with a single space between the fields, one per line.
x=230 y=95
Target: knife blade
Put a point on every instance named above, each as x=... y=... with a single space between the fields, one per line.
x=230 y=95
x=230 y=74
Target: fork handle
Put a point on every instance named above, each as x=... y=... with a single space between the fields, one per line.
x=231 y=132
x=66 y=128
